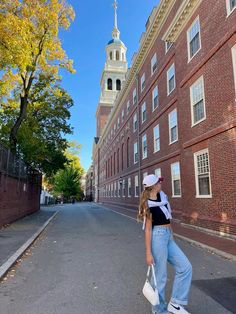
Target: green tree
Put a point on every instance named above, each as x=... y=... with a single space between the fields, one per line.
x=30 y=46
x=41 y=141
x=67 y=183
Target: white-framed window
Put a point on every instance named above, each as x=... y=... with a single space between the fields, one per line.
x=129 y=187
x=144 y=112
x=112 y=190
x=156 y=138
x=171 y=79
x=168 y=45
x=135 y=152
x=155 y=99
x=134 y=96
x=143 y=82
x=136 y=186
x=122 y=115
x=173 y=126
x=123 y=188
x=197 y=100
x=135 y=122
x=230 y=5
x=234 y=65
x=144 y=146
x=175 y=179
x=118 y=123
x=158 y=172
x=154 y=63
x=202 y=174
x=194 y=39
x=128 y=106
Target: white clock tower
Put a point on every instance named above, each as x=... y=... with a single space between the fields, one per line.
x=113 y=75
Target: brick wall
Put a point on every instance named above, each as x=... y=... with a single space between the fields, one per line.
x=18 y=198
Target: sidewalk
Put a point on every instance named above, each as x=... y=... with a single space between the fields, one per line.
x=14 y=237
x=220 y=245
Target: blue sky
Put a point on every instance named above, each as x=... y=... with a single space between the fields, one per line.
x=85 y=43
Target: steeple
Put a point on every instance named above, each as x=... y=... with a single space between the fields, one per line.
x=116 y=32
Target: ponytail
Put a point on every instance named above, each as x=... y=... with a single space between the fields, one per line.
x=144 y=211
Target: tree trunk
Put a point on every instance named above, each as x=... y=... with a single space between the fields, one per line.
x=19 y=120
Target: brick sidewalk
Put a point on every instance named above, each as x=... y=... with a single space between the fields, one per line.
x=219 y=243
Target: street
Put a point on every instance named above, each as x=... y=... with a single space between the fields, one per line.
x=91 y=260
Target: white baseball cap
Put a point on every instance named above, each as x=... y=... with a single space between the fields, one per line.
x=151 y=179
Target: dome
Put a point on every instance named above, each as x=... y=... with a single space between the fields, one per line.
x=115 y=41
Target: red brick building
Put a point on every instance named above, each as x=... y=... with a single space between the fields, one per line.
x=176 y=116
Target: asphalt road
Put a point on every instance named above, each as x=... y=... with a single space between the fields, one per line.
x=90 y=260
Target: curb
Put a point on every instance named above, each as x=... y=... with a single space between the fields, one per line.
x=12 y=259
x=207 y=247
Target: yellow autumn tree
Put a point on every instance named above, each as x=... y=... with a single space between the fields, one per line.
x=29 y=47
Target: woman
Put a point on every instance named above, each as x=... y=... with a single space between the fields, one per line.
x=155 y=212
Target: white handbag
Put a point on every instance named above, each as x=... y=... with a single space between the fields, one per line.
x=149 y=292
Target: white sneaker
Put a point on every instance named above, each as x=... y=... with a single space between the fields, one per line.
x=176 y=308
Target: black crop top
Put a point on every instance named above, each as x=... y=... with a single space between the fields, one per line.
x=158 y=217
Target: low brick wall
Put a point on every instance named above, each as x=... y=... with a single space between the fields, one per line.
x=18 y=197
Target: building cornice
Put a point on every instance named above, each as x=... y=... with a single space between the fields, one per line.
x=159 y=16
x=186 y=10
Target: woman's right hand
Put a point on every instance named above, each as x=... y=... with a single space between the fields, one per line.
x=149 y=259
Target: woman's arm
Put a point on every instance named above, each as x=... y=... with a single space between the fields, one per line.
x=148 y=239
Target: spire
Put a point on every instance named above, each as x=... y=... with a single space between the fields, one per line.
x=116 y=32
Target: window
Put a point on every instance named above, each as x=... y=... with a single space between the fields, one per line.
x=144 y=146
x=118 y=160
x=135 y=122
x=122 y=115
x=136 y=186
x=171 y=79
x=234 y=65
x=119 y=188
x=143 y=82
x=118 y=122
x=158 y=172
x=123 y=188
x=202 y=174
x=155 y=101
x=197 y=101
x=175 y=178
x=144 y=112
x=128 y=106
x=134 y=96
x=117 y=55
x=109 y=84
x=111 y=55
x=122 y=156
x=173 y=128
x=154 y=63
x=118 y=85
x=114 y=164
x=231 y=5
x=168 y=45
x=129 y=187
x=112 y=189
x=194 y=41
x=135 y=152
x=127 y=152
x=156 y=138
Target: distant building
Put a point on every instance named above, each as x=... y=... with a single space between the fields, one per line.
x=89 y=185
x=175 y=114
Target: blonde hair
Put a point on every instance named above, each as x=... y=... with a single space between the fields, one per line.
x=144 y=210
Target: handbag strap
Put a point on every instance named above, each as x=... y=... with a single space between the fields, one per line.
x=153 y=274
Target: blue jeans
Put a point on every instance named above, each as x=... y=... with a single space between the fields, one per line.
x=165 y=249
